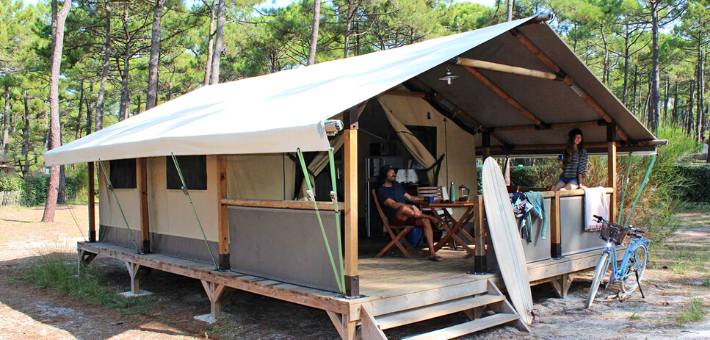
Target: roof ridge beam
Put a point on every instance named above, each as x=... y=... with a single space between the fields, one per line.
x=491 y=66
x=566 y=79
x=505 y=96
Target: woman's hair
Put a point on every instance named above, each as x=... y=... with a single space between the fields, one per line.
x=569 y=149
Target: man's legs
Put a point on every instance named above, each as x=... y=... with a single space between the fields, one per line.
x=425 y=222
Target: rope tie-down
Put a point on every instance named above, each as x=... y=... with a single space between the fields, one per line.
x=339 y=279
x=199 y=224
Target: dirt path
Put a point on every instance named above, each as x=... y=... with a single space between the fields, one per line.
x=676 y=276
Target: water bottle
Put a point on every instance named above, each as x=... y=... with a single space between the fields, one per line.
x=452 y=192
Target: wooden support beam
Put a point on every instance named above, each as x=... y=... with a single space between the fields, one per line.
x=555 y=227
x=345 y=328
x=547 y=146
x=405 y=93
x=487 y=65
x=352 y=279
x=92 y=202
x=479 y=235
x=560 y=126
x=219 y=296
x=561 y=285
x=222 y=213
x=569 y=81
x=300 y=205
x=84 y=259
x=611 y=169
x=142 y=177
x=369 y=329
x=497 y=90
x=137 y=273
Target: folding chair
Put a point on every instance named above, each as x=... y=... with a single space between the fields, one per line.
x=396 y=232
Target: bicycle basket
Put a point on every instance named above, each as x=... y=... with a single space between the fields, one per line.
x=612 y=233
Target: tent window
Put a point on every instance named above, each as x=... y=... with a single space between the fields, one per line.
x=122 y=173
x=194 y=169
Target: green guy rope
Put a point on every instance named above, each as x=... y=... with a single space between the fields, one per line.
x=643 y=184
x=187 y=193
x=110 y=188
x=626 y=184
x=334 y=198
x=310 y=197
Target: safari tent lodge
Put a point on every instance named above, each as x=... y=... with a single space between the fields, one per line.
x=211 y=185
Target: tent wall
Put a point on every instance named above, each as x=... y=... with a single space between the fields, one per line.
x=283 y=244
x=264 y=176
x=173 y=227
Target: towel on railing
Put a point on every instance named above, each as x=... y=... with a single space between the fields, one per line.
x=595 y=203
x=538 y=210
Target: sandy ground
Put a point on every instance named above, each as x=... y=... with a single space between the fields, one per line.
x=676 y=275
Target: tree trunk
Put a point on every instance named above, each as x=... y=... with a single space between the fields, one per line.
x=701 y=89
x=676 y=104
x=6 y=119
x=689 y=118
x=625 y=88
x=62 y=190
x=125 y=98
x=633 y=96
x=77 y=133
x=26 y=138
x=314 y=33
x=605 y=71
x=509 y=13
x=58 y=20
x=348 y=27
x=104 y=74
x=219 y=35
x=89 y=110
x=666 y=98
x=655 y=96
x=151 y=100
x=210 y=44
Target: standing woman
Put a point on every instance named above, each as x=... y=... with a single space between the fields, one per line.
x=573 y=161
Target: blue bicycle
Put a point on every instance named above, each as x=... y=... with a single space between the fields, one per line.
x=630 y=271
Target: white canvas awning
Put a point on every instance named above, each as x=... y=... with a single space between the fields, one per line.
x=278 y=112
x=283 y=111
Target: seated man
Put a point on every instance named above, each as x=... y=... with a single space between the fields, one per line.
x=393 y=200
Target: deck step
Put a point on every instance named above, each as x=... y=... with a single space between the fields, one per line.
x=434 y=311
x=467 y=327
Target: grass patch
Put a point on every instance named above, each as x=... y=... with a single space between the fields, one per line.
x=692 y=312
x=680 y=268
x=58 y=271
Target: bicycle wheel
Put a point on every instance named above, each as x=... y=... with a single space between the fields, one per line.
x=636 y=265
x=599 y=274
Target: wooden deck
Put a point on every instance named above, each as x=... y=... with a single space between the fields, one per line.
x=387 y=285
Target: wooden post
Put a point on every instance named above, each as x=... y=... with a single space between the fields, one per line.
x=352 y=279
x=92 y=205
x=611 y=165
x=219 y=295
x=555 y=227
x=480 y=264
x=222 y=214
x=142 y=174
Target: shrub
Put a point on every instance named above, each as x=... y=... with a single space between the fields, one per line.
x=697 y=176
x=35 y=190
x=11 y=183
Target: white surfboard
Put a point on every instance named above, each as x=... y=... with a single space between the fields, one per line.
x=506 y=239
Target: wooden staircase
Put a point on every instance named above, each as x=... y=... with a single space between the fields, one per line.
x=472 y=306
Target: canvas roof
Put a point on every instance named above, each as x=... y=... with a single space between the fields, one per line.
x=283 y=111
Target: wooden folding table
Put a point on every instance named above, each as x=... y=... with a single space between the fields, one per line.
x=458 y=225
